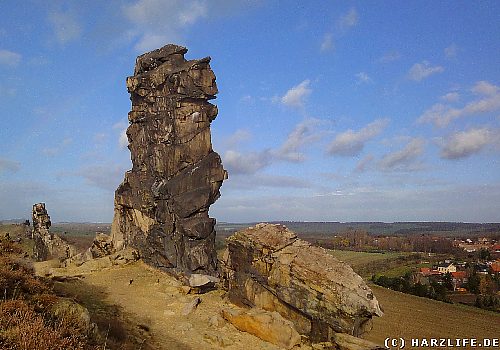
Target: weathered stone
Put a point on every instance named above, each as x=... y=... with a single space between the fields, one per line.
x=267 y=266
x=191 y=306
x=217 y=339
x=161 y=207
x=101 y=246
x=216 y=321
x=349 y=342
x=47 y=245
x=200 y=283
x=268 y=326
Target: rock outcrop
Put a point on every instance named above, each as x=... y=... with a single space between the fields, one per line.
x=161 y=207
x=268 y=267
x=47 y=245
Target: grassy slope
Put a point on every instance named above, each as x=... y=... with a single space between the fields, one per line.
x=408 y=316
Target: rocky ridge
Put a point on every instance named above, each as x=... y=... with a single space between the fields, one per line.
x=161 y=207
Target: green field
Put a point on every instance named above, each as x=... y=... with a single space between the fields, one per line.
x=357 y=259
x=390 y=263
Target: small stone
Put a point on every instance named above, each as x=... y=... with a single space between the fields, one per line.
x=199 y=280
x=218 y=339
x=216 y=321
x=191 y=306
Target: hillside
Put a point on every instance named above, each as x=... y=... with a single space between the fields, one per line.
x=408 y=316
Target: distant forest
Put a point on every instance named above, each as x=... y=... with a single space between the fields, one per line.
x=451 y=229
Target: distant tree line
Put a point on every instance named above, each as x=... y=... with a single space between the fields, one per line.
x=356 y=239
x=404 y=284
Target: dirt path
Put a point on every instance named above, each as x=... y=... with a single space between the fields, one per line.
x=152 y=308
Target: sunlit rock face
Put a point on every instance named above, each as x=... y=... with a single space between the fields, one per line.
x=268 y=267
x=46 y=244
x=161 y=207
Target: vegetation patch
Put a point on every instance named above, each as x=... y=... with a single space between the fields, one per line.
x=28 y=316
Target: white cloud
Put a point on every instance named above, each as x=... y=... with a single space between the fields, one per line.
x=327 y=43
x=441 y=115
x=239 y=136
x=249 y=163
x=351 y=143
x=9 y=58
x=466 y=143
x=304 y=133
x=7 y=165
x=420 y=71
x=105 y=176
x=404 y=159
x=390 y=57
x=238 y=162
x=58 y=148
x=451 y=97
x=364 y=163
x=296 y=96
x=252 y=182
x=451 y=51
x=350 y=19
x=122 y=138
x=485 y=88
x=363 y=78
x=158 y=22
x=65 y=26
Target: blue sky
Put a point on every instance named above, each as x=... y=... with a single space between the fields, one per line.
x=328 y=110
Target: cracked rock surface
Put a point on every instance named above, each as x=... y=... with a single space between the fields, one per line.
x=267 y=266
x=161 y=207
x=47 y=245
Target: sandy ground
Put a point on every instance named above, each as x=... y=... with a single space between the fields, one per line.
x=155 y=302
x=151 y=304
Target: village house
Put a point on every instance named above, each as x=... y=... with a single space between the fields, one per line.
x=446 y=267
x=458 y=279
x=495 y=268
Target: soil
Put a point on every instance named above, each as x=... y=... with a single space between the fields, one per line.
x=138 y=307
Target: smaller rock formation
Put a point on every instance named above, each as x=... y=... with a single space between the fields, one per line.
x=267 y=266
x=47 y=245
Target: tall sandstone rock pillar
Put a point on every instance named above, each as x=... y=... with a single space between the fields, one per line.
x=161 y=207
x=41 y=231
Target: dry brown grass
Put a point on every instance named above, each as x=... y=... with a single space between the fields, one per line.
x=408 y=316
x=25 y=319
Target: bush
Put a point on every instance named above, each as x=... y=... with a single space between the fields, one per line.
x=26 y=320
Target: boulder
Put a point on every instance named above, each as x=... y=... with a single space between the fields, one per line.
x=267 y=266
x=101 y=246
x=161 y=207
x=268 y=326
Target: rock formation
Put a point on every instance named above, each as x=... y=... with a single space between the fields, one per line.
x=161 y=207
x=268 y=267
x=47 y=245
